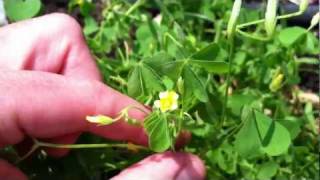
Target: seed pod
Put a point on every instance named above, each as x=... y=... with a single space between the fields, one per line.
x=303 y=5
x=271 y=16
x=315 y=20
x=276 y=82
x=233 y=18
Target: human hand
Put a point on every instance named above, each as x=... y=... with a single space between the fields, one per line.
x=49 y=83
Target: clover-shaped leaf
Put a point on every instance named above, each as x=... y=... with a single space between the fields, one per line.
x=18 y=10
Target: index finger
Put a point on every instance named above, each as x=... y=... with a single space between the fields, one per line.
x=51 y=43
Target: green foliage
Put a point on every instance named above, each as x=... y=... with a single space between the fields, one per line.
x=267 y=170
x=17 y=10
x=291 y=35
x=158 y=131
x=182 y=46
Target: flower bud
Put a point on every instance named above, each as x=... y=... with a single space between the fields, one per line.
x=276 y=82
x=180 y=85
x=233 y=18
x=271 y=16
x=100 y=119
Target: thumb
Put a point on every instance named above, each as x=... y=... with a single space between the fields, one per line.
x=9 y=172
x=168 y=165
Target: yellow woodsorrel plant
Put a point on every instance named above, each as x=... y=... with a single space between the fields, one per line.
x=227 y=74
x=170 y=115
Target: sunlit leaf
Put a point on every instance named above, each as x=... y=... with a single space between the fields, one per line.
x=208 y=53
x=289 y=36
x=135 y=83
x=275 y=138
x=18 y=10
x=158 y=132
x=212 y=66
x=192 y=82
x=267 y=170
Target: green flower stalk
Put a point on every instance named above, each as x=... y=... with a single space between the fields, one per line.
x=271 y=17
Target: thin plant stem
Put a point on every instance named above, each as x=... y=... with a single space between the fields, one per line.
x=32 y=150
x=119 y=80
x=134 y=7
x=80 y=146
x=252 y=36
x=231 y=54
x=135 y=107
x=168 y=35
x=262 y=20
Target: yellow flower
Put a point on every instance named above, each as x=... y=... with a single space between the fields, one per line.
x=168 y=101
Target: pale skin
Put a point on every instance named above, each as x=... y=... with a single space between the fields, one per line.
x=49 y=82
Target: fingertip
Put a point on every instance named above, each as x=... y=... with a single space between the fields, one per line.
x=193 y=170
x=9 y=172
x=110 y=103
x=172 y=165
x=183 y=139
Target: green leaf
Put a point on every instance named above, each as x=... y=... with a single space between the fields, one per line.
x=192 y=82
x=247 y=142
x=151 y=80
x=135 y=83
x=164 y=64
x=289 y=36
x=86 y=8
x=158 y=59
x=218 y=67
x=143 y=80
x=275 y=138
x=225 y=157
x=237 y=101
x=168 y=83
x=90 y=25
x=18 y=10
x=267 y=170
x=157 y=129
x=293 y=126
x=208 y=53
x=172 y=69
x=261 y=134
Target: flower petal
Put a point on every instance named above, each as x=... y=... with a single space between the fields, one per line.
x=176 y=96
x=163 y=94
x=157 y=104
x=93 y=119
x=174 y=106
